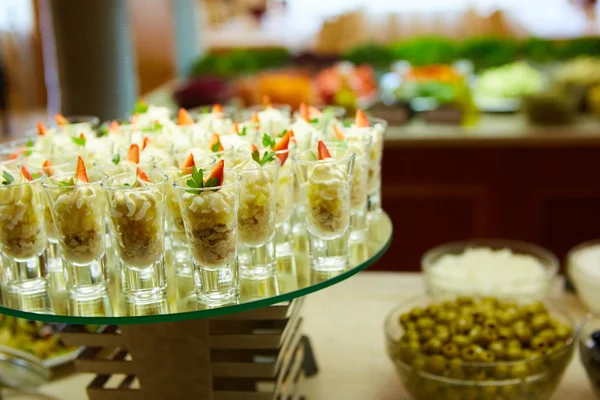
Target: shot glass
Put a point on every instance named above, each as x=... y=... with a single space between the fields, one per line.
x=359 y=228
x=175 y=226
x=136 y=211
x=284 y=210
x=78 y=213
x=79 y=123
x=325 y=188
x=210 y=218
x=23 y=237
x=324 y=118
x=256 y=218
x=272 y=119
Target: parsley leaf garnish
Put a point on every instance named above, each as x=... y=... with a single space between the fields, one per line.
x=197 y=179
x=29 y=146
x=314 y=121
x=211 y=182
x=216 y=147
x=116 y=159
x=66 y=184
x=268 y=141
x=157 y=126
x=140 y=107
x=282 y=134
x=347 y=124
x=243 y=132
x=266 y=158
x=8 y=178
x=103 y=131
x=79 y=141
x=126 y=184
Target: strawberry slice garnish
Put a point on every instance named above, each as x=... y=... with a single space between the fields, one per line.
x=266 y=101
x=142 y=175
x=303 y=111
x=217 y=108
x=255 y=153
x=80 y=172
x=146 y=142
x=314 y=111
x=135 y=119
x=283 y=144
x=82 y=136
x=188 y=164
x=254 y=118
x=323 y=152
x=61 y=120
x=42 y=130
x=215 y=143
x=16 y=154
x=338 y=132
x=236 y=128
x=26 y=173
x=184 y=118
x=47 y=168
x=361 y=120
x=218 y=173
x=133 y=154
x=114 y=127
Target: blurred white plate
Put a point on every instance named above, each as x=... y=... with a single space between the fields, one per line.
x=497 y=105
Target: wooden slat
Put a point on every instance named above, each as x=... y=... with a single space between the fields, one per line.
x=289 y=346
x=243 y=370
x=288 y=376
x=254 y=342
x=222 y=395
x=114 y=394
x=105 y=367
x=266 y=313
x=93 y=339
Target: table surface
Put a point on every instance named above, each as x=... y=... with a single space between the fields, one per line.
x=345 y=324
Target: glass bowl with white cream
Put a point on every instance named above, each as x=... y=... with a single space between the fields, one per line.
x=490 y=267
x=583 y=268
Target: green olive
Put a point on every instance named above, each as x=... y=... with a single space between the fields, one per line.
x=425 y=323
x=488 y=336
x=492 y=302
x=505 y=333
x=524 y=334
x=404 y=319
x=455 y=368
x=410 y=326
x=410 y=336
x=550 y=335
x=417 y=313
x=539 y=343
x=486 y=356
x=498 y=348
x=519 y=324
x=435 y=364
x=489 y=392
x=514 y=353
x=471 y=353
x=501 y=371
x=464 y=301
x=491 y=323
x=432 y=310
x=519 y=370
x=450 y=350
x=539 y=307
x=475 y=334
x=432 y=346
x=418 y=364
x=508 y=316
x=563 y=332
x=448 y=305
x=442 y=316
x=505 y=305
x=540 y=322
x=442 y=335
x=461 y=340
x=425 y=334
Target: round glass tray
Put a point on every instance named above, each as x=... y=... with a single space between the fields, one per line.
x=254 y=293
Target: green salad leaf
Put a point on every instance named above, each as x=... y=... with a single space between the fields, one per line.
x=8 y=178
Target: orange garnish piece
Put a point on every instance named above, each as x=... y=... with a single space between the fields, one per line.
x=135 y=118
x=283 y=144
x=41 y=128
x=215 y=139
x=114 y=127
x=361 y=119
x=16 y=154
x=266 y=101
x=254 y=118
x=184 y=118
x=186 y=167
x=142 y=175
x=236 y=128
x=146 y=142
x=322 y=150
x=80 y=172
x=217 y=172
x=26 y=173
x=217 y=108
x=82 y=136
x=60 y=120
x=47 y=168
x=133 y=154
x=303 y=111
x=338 y=132
x=314 y=111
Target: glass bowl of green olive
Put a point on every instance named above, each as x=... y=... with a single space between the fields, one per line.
x=503 y=268
x=479 y=348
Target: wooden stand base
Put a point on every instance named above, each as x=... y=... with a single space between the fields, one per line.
x=255 y=355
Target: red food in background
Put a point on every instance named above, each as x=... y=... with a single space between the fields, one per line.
x=203 y=91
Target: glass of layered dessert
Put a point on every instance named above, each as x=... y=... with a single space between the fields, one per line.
x=77 y=206
x=74 y=124
x=209 y=203
x=23 y=238
x=360 y=144
x=217 y=119
x=321 y=119
x=271 y=119
x=256 y=216
x=136 y=213
x=376 y=128
x=325 y=177
x=181 y=253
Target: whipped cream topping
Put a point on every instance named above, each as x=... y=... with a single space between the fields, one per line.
x=273 y=121
x=304 y=133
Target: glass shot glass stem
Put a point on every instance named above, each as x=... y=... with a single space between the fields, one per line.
x=329 y=255
x=218 y=286
x=53 y=259
x=86 y=281
x=257 y=262
x=359 y=236
x=144 y=284
x=286 y=261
